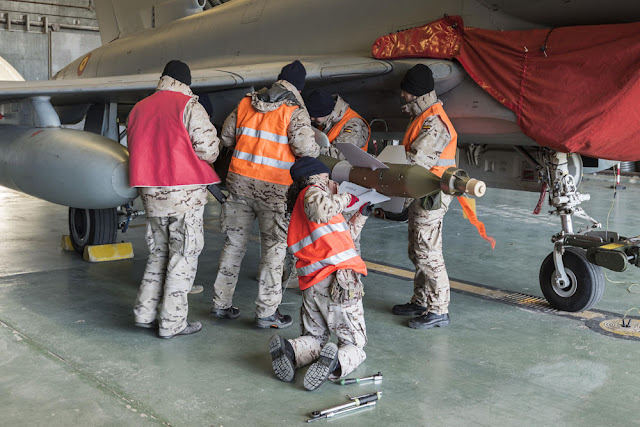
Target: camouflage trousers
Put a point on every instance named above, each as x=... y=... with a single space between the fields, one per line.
x=430 y=283
x=238 y=215
x=319 y=318
x=175 y=243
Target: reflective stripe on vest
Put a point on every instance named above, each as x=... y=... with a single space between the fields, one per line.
x=267 y=161
x=317 y=233
x=337 y=128
x=262 y=148
x=332 y=260
x=448 y=156
x=262 y=134
x=322 y=248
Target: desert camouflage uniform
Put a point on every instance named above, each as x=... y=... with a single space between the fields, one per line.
x=175 y=233
x=252 y=198
x=355 y=132
x=431 y=283
x=171 y=201
x=333 y=305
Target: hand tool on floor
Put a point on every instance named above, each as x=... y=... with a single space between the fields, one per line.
x=359 y=402
x=375 y=378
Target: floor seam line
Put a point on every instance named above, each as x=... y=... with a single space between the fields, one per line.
x=83 y=373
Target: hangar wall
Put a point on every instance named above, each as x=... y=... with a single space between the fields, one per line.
x=39 y=37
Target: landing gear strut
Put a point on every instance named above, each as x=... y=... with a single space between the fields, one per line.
x=568 y=280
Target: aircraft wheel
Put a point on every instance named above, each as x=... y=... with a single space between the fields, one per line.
x=92 y=227
x=586 y=282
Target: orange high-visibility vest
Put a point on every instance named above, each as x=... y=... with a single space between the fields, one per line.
x=322 y=248
x=448 y=156
x=337 y=128
x=262 y=147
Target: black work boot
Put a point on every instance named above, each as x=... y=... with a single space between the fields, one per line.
x=320 y=370
x=276 y=320
x=429 y=320
x=226 y=313
x=191 y=328
x=409 y=309
x=282 y=358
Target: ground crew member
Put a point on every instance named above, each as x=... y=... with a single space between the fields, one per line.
x=430 y=141
x=333 y=116
x=172 y=145
x=267 y=130
x=329 y=270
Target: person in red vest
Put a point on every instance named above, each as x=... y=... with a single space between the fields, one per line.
x=172 y=145
x=266 y=132
x=430 y=141
x=329 y=270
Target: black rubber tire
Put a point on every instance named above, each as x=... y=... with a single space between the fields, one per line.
x=589 y=279
x=92 y=227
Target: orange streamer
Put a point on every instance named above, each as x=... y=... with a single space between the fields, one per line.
x=473 y=219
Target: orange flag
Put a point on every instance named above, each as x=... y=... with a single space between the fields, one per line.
x=473 y=219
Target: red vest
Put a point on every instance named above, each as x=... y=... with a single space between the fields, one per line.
x=262 y=149
x=321 y=249
x=160 y=150
x=337 y=128
x=448 y=156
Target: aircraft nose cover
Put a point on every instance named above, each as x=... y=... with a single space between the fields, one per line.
x=573 y=89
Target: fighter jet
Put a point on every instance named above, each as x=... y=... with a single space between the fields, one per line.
x=241 y=45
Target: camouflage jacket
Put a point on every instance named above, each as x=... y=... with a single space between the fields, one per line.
x=355 y=131
x=173 y=201
x=320 y=205
x=433 y=137
x=301 y=141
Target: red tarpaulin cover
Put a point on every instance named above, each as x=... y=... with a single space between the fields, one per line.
x=582 y=97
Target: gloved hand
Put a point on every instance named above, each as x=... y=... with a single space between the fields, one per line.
x=353 y=201
x=366 y=209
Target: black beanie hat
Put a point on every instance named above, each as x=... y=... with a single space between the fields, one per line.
x=418 y=80
x=178 y=70
x=319 y=103
x=294 y=73
x=307 y=166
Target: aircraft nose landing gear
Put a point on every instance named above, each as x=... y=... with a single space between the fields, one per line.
x=568 y=280
x=571 y=277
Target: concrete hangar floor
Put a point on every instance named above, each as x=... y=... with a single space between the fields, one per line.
x=70 y=355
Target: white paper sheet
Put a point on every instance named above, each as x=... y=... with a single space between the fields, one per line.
x=365 y=195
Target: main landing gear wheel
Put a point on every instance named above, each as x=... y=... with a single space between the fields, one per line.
x=586 y=282
x=92 y=227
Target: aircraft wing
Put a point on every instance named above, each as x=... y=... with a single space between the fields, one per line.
x=130 y=88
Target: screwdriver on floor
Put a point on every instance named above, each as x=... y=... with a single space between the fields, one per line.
x=377 y=377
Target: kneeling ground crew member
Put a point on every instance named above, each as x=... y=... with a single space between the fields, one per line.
x=329 y=270
x=332 y=115
x=431 y=142
x=267 y=130
x=172 y=144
